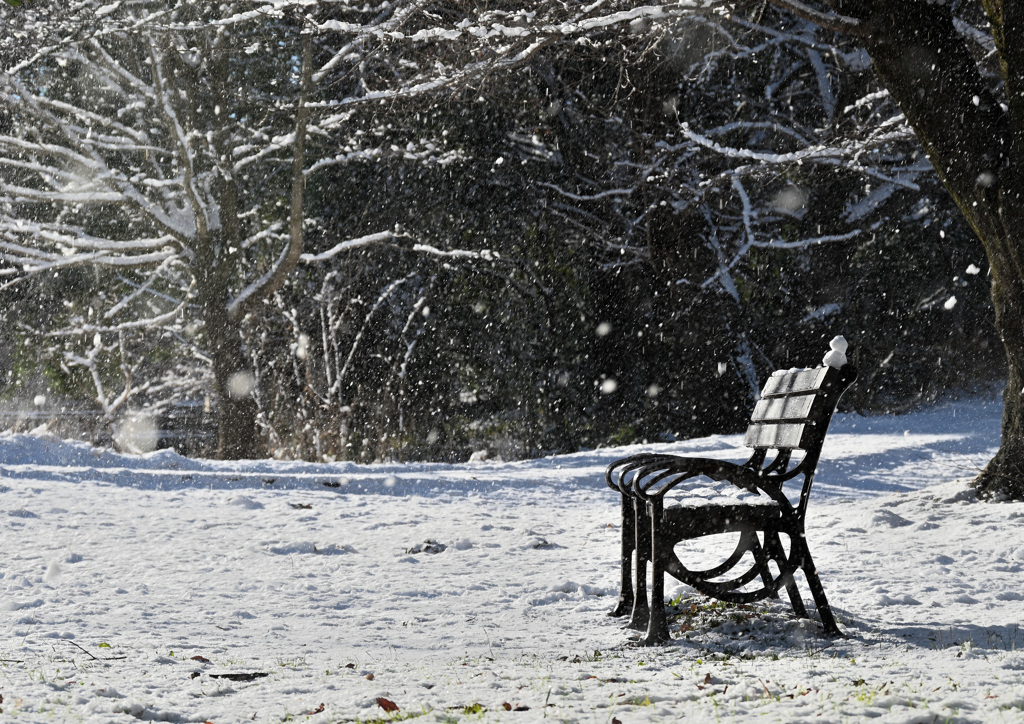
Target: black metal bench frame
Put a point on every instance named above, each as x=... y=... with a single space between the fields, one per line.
x=793 y=414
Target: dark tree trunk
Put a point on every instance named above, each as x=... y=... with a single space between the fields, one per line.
x=975 y=145
x=234 y=382
x=237 y=435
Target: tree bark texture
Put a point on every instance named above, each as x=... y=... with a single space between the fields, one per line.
x=976 y=145
x=238 y=435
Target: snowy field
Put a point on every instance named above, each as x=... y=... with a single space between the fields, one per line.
x=162 y=588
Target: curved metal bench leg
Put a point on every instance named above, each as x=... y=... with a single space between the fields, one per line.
x=775 y=551
x=767 y=554
x=828 y=621
x=641 y=613
x=625 y=602
x=799 y=610
x=657 y=626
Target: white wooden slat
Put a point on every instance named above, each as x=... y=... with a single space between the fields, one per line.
x=784 y=436
x=783 y=409
x=794 y=382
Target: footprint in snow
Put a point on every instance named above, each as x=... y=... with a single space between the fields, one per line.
x=888 y=518
x=904 y=600
x=246 y=502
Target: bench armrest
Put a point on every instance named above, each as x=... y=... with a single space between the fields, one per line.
x=650 y=477
x=622 y=467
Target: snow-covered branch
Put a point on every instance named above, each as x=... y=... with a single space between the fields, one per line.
x=807 y=243
x=349 y=244
x=485 y=254
x=830 y=21
x=748 y=154
x=607 y=193
x=92 y=361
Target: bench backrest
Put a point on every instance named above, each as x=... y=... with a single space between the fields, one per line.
x=796 y=407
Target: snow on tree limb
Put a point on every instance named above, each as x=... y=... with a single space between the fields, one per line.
x=146 y=288
x=979 y=37
x=607 y=193
x=383 y=237
x=387 y=21
x=819 y=152
x=87 y=196
x=200 y=212
x=275 y=278
x=485 y=254
x=139 y=323
x=807 y=243
x=92 y=363
x=349 y=244
x=830 y=21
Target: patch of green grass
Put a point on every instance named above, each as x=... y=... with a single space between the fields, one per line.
x=586 y=658
x=691 y=613
x=638 y=701
x=297 y=662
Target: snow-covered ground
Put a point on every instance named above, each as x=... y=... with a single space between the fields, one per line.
x=162 y=588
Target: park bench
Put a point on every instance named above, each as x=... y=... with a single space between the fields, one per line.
x=748 y=500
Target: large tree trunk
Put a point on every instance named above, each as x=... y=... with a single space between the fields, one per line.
x=234 y=379
x=1003 y=477
x=234 y=382
x=975 y=145
x=237 y=435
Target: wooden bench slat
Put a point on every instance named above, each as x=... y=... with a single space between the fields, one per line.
x=795 y=408
x=795 y=382
x=779 y=436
